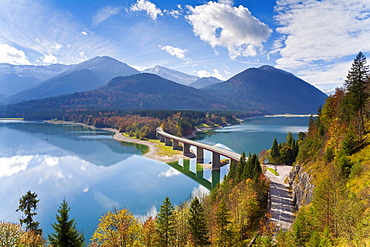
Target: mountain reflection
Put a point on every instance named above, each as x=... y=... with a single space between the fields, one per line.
x=98 y=150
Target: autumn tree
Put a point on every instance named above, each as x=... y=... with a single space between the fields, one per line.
x=10 y=234
x=198 y=224
x=357 y=95
x=13 y=235
x=166 y=223
x=150 y=238
x=66 y=233
x=117 y=228
x=28 y=205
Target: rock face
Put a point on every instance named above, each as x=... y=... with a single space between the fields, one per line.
x=302 y=188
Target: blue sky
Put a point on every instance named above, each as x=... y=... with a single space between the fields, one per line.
x=315 y=39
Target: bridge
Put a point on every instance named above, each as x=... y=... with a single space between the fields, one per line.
x=179 y=143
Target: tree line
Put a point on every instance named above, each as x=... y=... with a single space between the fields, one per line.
x=229 y=216
x=335 y=151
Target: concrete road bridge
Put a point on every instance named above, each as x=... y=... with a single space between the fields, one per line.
x=179 y=143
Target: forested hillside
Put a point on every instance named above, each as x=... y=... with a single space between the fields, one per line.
x=336 y=155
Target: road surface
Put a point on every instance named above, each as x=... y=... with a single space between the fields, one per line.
x=281 y=203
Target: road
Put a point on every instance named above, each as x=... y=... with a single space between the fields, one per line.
x=221 y=151
x=281 y=199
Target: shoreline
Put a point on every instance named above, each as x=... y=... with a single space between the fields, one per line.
x=153 y=147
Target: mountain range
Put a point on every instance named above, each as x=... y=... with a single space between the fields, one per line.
x=105 y=83
x=85 y=76
x=172 y=75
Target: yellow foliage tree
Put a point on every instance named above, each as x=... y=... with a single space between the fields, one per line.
x=117 y=228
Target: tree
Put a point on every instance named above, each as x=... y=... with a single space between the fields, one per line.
x=117 y=228
x=275 y=152
x=198 y=224
x=357 y=83
x=10 y=234
x=166 y=223
x=66 y=233
x=13 y=235
x=149 y=233
x=28 y=205
x=224 y=233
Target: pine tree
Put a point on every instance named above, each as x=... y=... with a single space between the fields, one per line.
x=165 y=223
x=357 y=95
x=28 y=205
x=197 y=223
x=239 y=176
x=256 y=167
x=66 y=233
x=275 y=152
x=224 y=233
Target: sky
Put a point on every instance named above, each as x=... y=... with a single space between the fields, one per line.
x=316 y=40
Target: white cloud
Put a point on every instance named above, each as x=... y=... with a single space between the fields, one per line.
x=169 y=173
x=227 y=2
x=174 y=51
x=232 y=27
x=13 y=165
x=150 y=8
x=104 y=14
x=173 y=13
x=315 y=34
x=215 y=73
x=9 y=54
x=49 y=59
x=46 y=30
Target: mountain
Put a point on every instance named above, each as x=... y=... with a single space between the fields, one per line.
x=142 y=90
x=204 y=81
x=172 y=75
x=269 y=90
x=85 y=76
x=16 y=78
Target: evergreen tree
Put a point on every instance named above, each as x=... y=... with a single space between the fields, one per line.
x=224 y=233
x=275 y=152
x=256 y=167
x=357 y=95
x=198 y=224
x=239 y=176
x=28 y=205
x=66 y=233
x=231 y=175
x=166 y=223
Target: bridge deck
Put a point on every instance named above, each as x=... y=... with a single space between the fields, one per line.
x=230 y=154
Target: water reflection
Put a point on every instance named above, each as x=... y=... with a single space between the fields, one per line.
x=93 y=174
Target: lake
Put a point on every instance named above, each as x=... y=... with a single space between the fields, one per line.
x=96 y=173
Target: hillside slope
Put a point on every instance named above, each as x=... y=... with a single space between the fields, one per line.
x=270 y=90
x=146 y=91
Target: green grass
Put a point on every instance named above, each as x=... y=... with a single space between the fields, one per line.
x=165 y=150
x=273 y=171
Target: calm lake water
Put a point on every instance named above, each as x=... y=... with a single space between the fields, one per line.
x=95 y=173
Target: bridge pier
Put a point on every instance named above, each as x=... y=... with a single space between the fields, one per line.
x=186 y=149
x=186 y=164
x=216 y=162
x=161 y=138
x=199 y=171
x=175 y=145
x=167 y=141
x=200 y=155
x=215 y=178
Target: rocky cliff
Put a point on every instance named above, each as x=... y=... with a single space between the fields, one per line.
x=301 y=185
